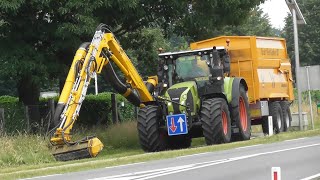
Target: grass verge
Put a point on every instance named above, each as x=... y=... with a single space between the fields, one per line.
x=135 y=155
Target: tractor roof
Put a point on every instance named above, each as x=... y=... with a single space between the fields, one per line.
x=204 y=51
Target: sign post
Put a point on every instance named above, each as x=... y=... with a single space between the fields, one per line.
x=309 y=92
x=297 y=19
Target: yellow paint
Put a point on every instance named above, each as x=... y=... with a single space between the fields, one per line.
x=262 y=61
x=119 y=57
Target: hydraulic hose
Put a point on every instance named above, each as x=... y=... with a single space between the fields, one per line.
x=110 y=76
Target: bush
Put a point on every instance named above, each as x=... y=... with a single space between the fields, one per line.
x=14 y=114
x=315 y=96
x=96 y=109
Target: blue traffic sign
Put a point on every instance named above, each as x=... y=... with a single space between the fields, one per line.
x=177 y=124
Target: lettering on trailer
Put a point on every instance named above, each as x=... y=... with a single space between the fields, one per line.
x=269 y=52
x=177 y=124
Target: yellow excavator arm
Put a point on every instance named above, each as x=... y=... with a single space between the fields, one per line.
x=89 y=60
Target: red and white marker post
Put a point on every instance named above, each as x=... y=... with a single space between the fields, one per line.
x=275 y=173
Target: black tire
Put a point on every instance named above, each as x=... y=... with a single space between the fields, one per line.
x=265 y=125
x=286 y=113
x=179 y=142
x=240 y=115
x=277 y=118
x=212 y=113
x=151 y=137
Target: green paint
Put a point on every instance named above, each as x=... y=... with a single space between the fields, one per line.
x=228 y=88
x=191 y=86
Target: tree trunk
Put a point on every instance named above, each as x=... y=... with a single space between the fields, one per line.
x=29 y=93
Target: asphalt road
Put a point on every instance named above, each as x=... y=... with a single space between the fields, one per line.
x=298 y=159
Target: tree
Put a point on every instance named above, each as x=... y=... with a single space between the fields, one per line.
x=38 y=38
x=309 y=34
x=257 y=24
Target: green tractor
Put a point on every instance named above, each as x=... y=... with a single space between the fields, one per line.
x=195 y=98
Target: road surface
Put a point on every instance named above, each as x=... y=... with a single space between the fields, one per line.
x=297 y=159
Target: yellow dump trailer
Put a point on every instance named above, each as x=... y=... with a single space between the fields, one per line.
x=264 y=64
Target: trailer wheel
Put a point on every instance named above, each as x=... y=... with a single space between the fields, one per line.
x=216 y=123
x=240 y=114
x=286 y=113
x=179 y=142
x=277 y=118
x=151 y=137
x=265 y=125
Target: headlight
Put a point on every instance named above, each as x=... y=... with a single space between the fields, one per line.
x=165 y=67
x=184 y=96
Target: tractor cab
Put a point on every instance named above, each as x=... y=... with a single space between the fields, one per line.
x=200 y=66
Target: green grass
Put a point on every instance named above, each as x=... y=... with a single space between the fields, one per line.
x=124 y=156
x=24 y=156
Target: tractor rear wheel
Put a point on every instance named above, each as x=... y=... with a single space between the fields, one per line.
x=277 y=118
x=216 y=123
x=240 y=114
x=286 y=113
x=151 y=137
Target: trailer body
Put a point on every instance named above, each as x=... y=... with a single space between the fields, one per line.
x=264 y=64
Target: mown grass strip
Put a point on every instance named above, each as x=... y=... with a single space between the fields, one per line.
x=134 y=156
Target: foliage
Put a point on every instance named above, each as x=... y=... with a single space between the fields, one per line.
x=309 y=35
x=257 y=24
x=38 y=38
x=143 y=47
x=96 y=110
x=315 y=96
x=202 y=18
x=14 y=114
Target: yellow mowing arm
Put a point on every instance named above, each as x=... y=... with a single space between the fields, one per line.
x=89 y=60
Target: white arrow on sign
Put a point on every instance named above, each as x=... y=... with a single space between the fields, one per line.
x=180 y=121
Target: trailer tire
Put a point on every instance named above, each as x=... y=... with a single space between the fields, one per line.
x=151 y=137
x=265 y=125
x=179 y=142
x=216 y=123
x=286 y=113
x=240 y=115
x=277 y=118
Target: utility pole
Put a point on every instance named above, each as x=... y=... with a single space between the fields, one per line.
x=297 y=18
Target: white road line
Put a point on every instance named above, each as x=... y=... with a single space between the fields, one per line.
x=124 y=165
x=42 y=176
x=141 y=174
x=248 y=146
x=311 y=177
x=294 y=139
x=191 y=155
x=145 y=175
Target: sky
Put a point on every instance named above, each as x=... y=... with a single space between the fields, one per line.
x=277 y=11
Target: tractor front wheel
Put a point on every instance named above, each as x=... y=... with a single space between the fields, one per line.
x=151 y=137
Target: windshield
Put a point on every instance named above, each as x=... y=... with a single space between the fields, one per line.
x=190 y=67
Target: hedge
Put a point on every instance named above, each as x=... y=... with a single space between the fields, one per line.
x=96 y=110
